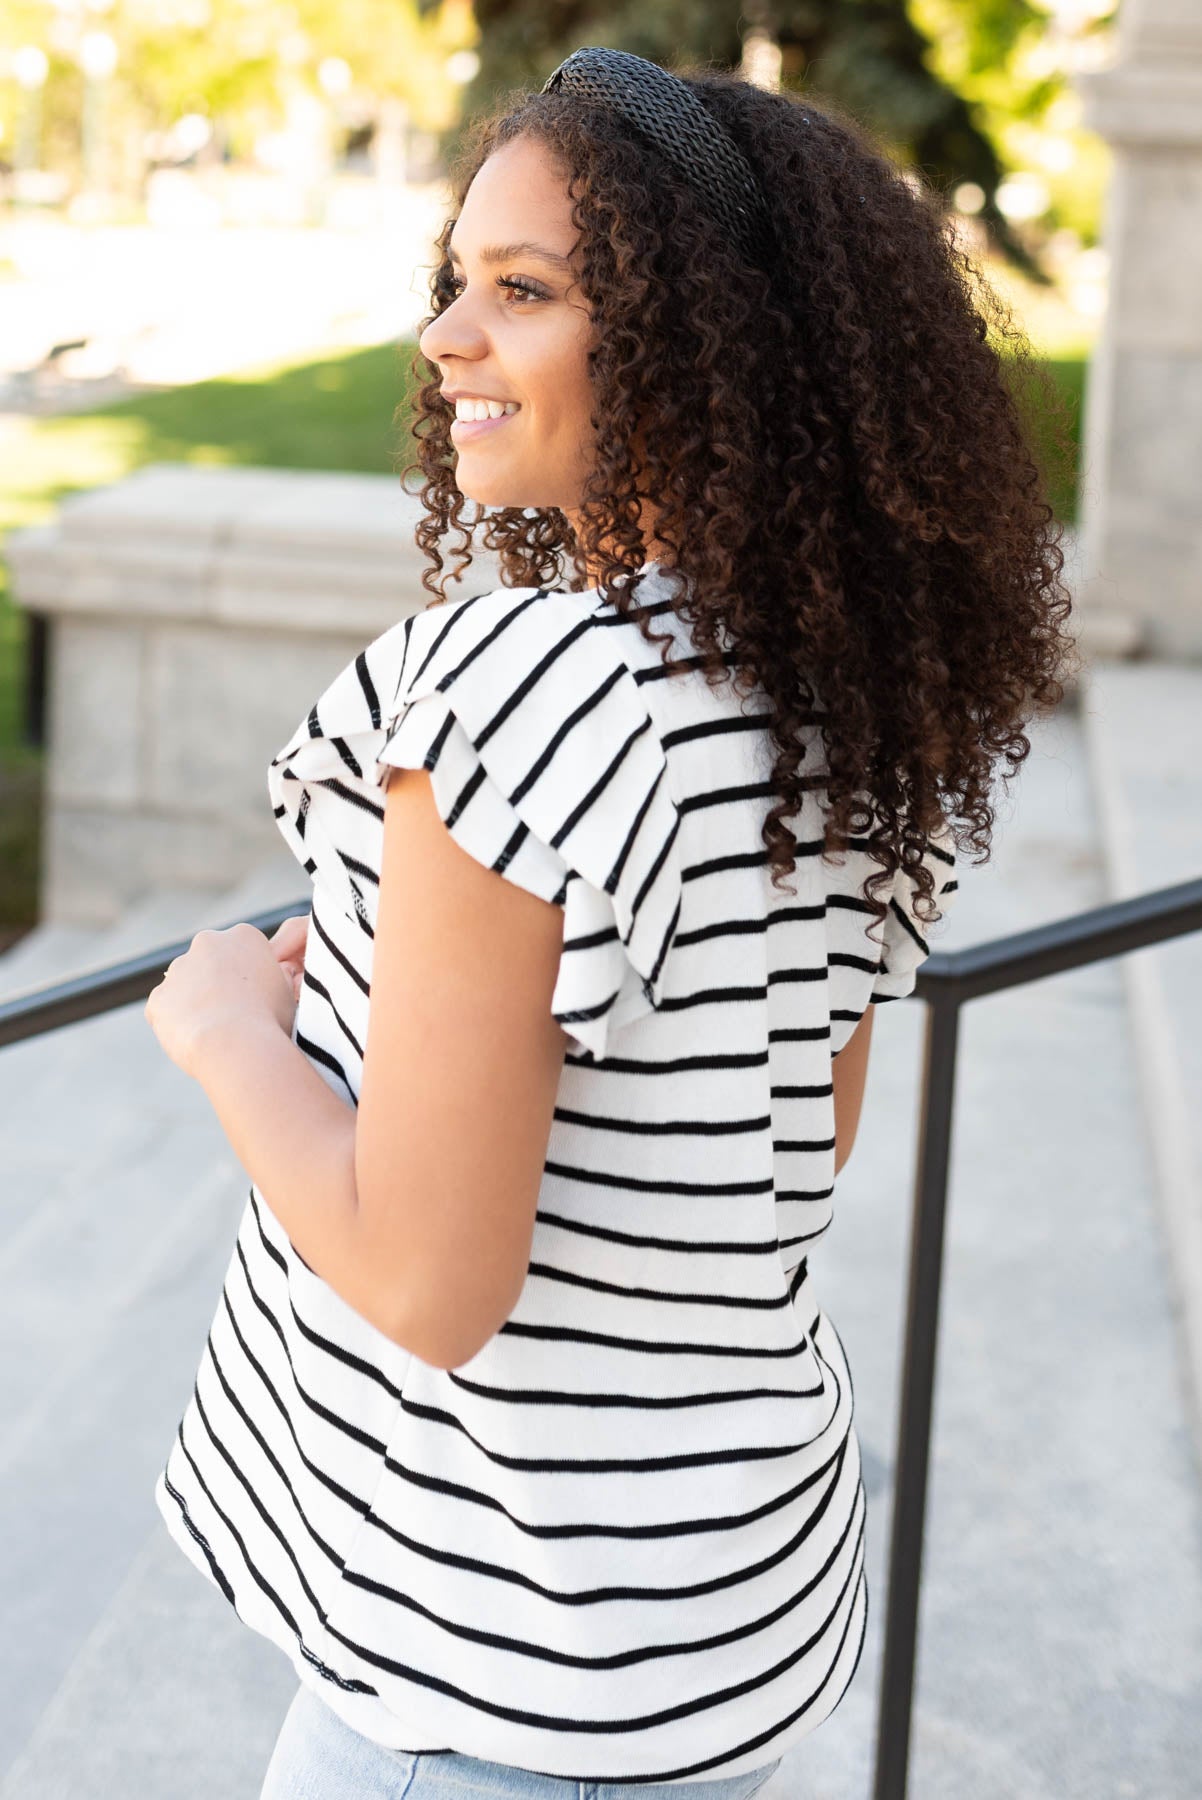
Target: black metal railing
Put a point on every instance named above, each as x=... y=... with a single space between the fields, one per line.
x=946 y=981
x=102 y=990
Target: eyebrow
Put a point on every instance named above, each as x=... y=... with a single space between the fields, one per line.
x=499 y=253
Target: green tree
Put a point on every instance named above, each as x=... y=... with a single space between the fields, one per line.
x=877 y=58
x=235 y=61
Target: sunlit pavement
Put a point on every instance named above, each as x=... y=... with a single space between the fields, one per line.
x=161 y=306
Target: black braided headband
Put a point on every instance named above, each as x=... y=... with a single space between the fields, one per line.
x=668 y=112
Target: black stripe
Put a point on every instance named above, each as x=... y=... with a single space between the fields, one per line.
x=664 y=1296
x=214 y=1566
x=665 y=1127
x=336 y=1488
x=567 y=1334
x=360 y=868
x=353 y=798
x=326 y=1058
x=699 y=1189
x=315 y=1406
x=343 y=961
x=352 y=1686
x=587 y=705
x=531 y=680
x=720 y=727
x=597 y=789
x=369 y=689
x=728 y=796
x=658 y=863
x=327 y=1550
x=595 y=1596
x=309 y=980
x=345 y=752
x=642 y=1241
x=608 y=1726
x=348 y=1357
x=478 y=649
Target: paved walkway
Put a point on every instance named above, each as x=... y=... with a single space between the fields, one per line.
x=161 y=306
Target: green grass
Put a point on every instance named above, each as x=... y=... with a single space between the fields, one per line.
x=1061 y=471
x=20 y=839
x=337 y=412
x=333 y=413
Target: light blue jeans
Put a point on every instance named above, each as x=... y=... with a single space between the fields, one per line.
x=318 y=1757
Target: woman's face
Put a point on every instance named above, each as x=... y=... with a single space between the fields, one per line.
x=517 y=331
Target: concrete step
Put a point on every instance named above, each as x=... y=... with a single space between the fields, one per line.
x=86 y=1220
x=68 y=1109
x=77 y=1471
x=277 y=881
x=85 y=1167
x=51 y=1061
x=170 y=1697
x=49 y=952
x=1144 y=729
x=120 y=1202
x=55 y=951
x=164 y=915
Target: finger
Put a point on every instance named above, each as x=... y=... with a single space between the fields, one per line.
x=298 y=924
x=291 y=938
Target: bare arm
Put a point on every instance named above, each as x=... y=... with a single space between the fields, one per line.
x=849 y=1069
x=295 y=1137
x=418 y=1206
x=460 y=1072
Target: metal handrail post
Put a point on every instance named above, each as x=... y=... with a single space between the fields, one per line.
x=912 y=1460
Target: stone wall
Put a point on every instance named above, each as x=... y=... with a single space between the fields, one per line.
x=195 y=614
x=1141 y=494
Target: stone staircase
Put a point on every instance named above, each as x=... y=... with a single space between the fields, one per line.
x=120 y=1203
x=1061 y=1641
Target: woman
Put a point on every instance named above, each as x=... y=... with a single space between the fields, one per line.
x=520 y=1428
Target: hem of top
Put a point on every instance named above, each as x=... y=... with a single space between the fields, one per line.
x=312 y=1673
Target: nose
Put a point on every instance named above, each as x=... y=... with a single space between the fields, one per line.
x=452 y=334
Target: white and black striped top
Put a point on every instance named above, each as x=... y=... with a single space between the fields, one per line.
x=625 y=1542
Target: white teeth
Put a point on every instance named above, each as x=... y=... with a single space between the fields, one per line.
x=467 y=408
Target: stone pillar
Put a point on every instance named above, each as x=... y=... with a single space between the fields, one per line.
x=195 y=615
x=1141 y=491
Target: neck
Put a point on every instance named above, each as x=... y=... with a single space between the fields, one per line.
x=652 y=549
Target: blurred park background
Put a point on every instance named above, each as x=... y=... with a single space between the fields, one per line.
x=216 y=220
x=216 y=228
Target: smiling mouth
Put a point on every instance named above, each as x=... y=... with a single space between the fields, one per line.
x=465 y=430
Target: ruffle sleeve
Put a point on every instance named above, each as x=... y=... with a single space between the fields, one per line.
x=545 y=766
x=905 y=939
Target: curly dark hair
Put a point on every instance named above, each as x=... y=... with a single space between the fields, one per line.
x=837 y=454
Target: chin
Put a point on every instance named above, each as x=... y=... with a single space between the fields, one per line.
x=500 y=493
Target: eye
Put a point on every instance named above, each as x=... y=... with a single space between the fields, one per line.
x=517 y=283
